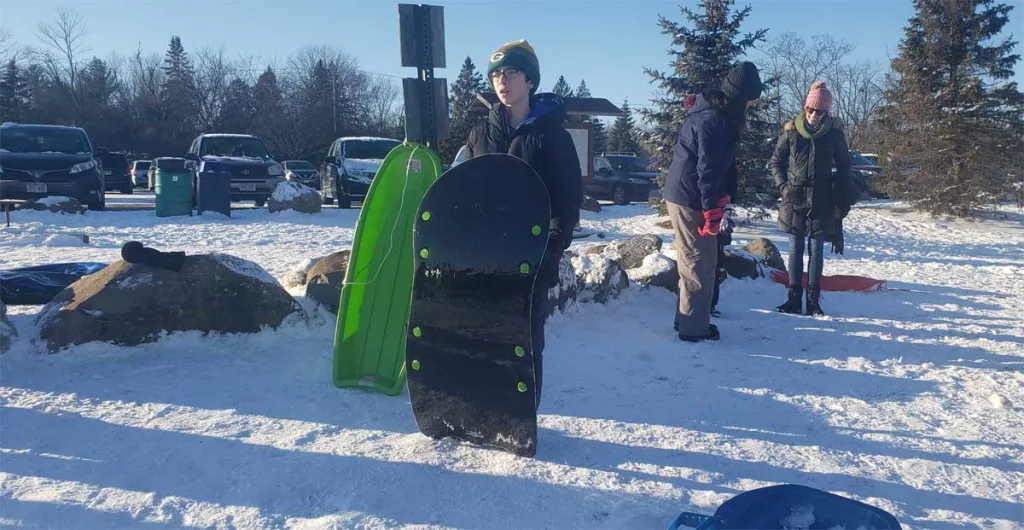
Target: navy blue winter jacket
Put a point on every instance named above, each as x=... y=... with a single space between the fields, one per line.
x=703 y=156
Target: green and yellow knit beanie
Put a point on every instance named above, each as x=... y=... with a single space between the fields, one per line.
x=517 y=54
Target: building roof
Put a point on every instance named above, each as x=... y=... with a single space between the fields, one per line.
x=573 y=106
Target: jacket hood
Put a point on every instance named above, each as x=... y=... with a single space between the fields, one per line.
x=701 y=105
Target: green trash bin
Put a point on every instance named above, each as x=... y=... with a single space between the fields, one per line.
x=173 y=187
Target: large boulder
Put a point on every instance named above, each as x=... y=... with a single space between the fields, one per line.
x=740 y=264
x=600 y=278
x=630 y=253
x=57 y=204
x=325 y=277
x=7 y=330
x=767 y=253
x=129 y=304
x=294 y=196
x=656 y=270
x=590 y=204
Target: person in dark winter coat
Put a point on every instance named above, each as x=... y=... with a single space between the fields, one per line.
x=530 y=126
x=697 y=192
x=814 y=200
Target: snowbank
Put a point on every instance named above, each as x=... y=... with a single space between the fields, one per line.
x=887 y=400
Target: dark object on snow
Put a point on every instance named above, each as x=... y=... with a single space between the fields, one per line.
x=134 y=252
x=473 y=352
x=789 y=506
x=39 y=284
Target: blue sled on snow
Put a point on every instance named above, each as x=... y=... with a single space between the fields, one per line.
x=789 y=506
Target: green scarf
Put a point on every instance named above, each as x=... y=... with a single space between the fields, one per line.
x=801 y=127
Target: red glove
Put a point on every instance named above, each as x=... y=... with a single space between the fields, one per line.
x=712 y=222
x=724 y=201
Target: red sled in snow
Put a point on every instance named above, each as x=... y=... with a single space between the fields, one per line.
x=836 y=283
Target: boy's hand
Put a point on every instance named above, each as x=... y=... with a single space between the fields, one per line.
x=712 y=222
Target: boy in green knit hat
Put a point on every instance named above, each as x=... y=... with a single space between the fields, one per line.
x=529 y=126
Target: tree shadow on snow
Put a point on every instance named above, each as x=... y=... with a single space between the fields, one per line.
x=280 y=483
x=610 y=457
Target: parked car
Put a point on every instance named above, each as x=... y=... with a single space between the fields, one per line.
x=622 y=177
x=140 y=173
x=302 y=172
x=117 y=172
x=349 y=167
x=37 y=161
x=862 y=172
x=244 y=158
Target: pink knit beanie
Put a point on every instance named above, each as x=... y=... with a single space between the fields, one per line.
x=819 y=97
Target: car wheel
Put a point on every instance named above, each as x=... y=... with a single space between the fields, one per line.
x=128 y=190
x=260 y=203
x=620 y=194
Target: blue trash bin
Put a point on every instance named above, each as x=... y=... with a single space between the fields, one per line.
x=214 y=192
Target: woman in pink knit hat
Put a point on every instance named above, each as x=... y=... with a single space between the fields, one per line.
x=814 y=199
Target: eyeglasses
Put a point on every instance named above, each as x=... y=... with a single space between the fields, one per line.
x=813 y=112
x=508 y=73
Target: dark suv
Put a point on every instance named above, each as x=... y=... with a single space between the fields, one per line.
x=349 y=168
x=117 y=171
x=245 y=158
x=622 y=177
x=37 y=161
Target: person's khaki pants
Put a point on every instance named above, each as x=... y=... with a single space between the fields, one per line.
x=696 y=257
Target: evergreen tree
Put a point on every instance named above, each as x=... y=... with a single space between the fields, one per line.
x=15 y=98
x=463 y=93
x=97 y=83
x=623 y=136
x=954 y=118
x=177 y=100
x=318 y=109
x=705 y=51
x=600 y=134
x=236 y=115
x=268 y=111
x=562 y=88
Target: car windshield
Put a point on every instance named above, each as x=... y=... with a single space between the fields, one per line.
x=234 y=146
x=43 y=140
x=112 y=161
x=141 y=166
x=629 y=163
x=857 y=160
x=298 y=164
x=369 y=149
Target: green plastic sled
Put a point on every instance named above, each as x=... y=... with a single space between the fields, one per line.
x=369 y=344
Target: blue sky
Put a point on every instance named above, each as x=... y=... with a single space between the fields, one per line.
x=606 y=42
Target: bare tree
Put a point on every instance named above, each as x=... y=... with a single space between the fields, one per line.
x=857 y=92
x=213 y=75
x=6 y=45
x=62 y=53
x=380 y=107
x=797 y=64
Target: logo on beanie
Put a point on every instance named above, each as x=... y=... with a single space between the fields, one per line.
x=497 y=56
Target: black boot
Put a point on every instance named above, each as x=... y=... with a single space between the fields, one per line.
x=713 y=334
x=813 y=299
x=794 y=304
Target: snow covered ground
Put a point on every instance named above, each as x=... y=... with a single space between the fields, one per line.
x=887 y=400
